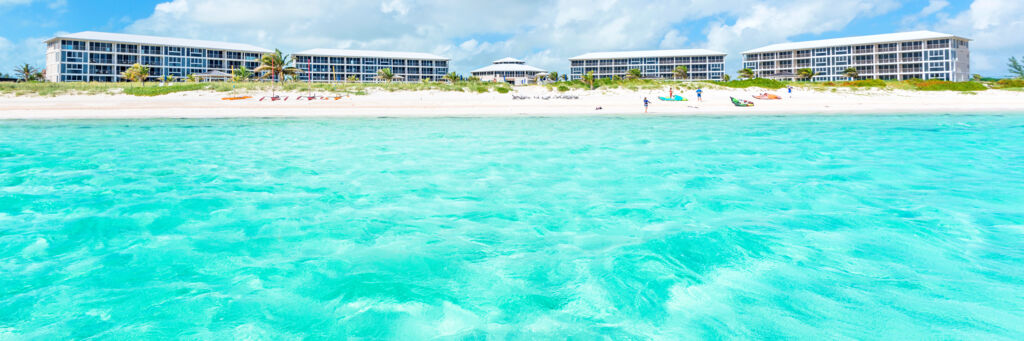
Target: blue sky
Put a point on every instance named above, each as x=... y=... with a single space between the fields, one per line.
x=544 y=33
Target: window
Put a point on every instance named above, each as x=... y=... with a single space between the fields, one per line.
x=72 y=45
x=320 y=60
x=427 y=63
x=101 y=58
x=370 y=61
x=72 y=68
x=173 y=61
x=251 y=56
x=194 y=52
x=337 y=60
x=441 y=63
x=174 y=51
x=101 y=47
x=384 y=61
x=73 y=56
x=214 y=54
x=356 y=61
x=234 y=55
x=821 y=52
x=127 y=59
x=150 y=60
x=196 y=62
x=127 y=48
x=151 y=49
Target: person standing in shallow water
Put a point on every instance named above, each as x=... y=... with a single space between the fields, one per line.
x=646 y=103
x=699 y=91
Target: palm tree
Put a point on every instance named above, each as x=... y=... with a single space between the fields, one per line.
x=25 y=72
x=725 y=77
x=805 y=74
x=588 y=79
x=136 y=73
x=634 y=74
x=451 y=77
x=746 y=73
x=39 y=75
x=386 y=75
x=851 y=72
x=240 y=74
x=553 y=76
x=352 y=79
x=276 y=64
x=681 y=72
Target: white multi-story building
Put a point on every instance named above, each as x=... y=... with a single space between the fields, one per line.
x=894 y=56
x=510 y=70
x=332 y=65
x=101 y=57
x=702 y=64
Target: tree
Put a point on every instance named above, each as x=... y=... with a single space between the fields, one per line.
x=451 y=77
x=633 y=74
x=681 y=72
x=588 y=79
x=805 y=74
x=565 y=78
x=746 y=73
x=276 y=64
x=352 y=79
x=136 y=73
x=25 y=72
x=553 y=76
x=976 y=77
x=851 y=72
x=725 y=77
x=241 y=73
x=386 y=75
x=39 y=75
x=1015 y=66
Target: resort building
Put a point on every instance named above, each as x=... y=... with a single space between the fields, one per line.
x=509 y=70
x=332 y=65
x=101 y=57
x=701 y=64
x=894 y=56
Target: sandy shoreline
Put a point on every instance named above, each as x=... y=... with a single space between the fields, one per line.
x=459 y=104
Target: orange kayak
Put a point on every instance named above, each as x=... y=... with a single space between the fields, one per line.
x=236 y=98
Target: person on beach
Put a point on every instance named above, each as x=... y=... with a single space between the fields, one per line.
x=646 y=103
x=670 y=93
x=699 y=91
x=790 y=89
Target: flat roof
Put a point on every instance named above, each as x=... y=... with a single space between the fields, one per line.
x=508 y=68
x=370 y=54
x=858 y=40
x=154 y=40
x=648 y=54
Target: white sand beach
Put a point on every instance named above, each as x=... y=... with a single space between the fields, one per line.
x=208 y=104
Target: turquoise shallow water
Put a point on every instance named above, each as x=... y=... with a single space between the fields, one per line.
x=521 y=228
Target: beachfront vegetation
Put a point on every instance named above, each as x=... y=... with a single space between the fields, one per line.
x=851 y=72
x=634 y=74
x=805 y=74
x=745 y=73
x=588 y=79
x=136 y=73
x=681 y=72
x=276 y=65
x=553 y=76
x=1015 y=67
x=27 y=73
x=726 y=77
x=452 y=77
x=241 y=74
x=385 y=75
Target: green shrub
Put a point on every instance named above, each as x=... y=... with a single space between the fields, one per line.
x=563 y=88
x=502 y=90
x=1010 y=83
x=163 y=90
x=756 y=82
x=937 y=85
x=866 y=83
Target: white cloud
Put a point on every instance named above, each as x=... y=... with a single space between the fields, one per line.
x=673 y=40
x=933 y=7
x=995 y=27
x=14 y=53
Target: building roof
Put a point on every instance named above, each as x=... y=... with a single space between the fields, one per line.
x=647 y=54
x=153 y=40
x=508 y=60
x=508 y=68
x=370 y=54
x=859 y=40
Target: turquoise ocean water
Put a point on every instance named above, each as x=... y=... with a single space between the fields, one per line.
x=811 y=227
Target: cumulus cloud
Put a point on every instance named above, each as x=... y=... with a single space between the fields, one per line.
x=994 y=26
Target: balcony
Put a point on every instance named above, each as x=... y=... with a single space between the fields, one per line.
x=911 y=59
x=803 y=55
x=887 y=49
x=887 y=60
x=938 y=46
x=911 y=69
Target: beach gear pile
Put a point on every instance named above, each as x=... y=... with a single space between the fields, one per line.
x=741 y=102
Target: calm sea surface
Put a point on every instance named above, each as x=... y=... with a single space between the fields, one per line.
x=816 y=227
